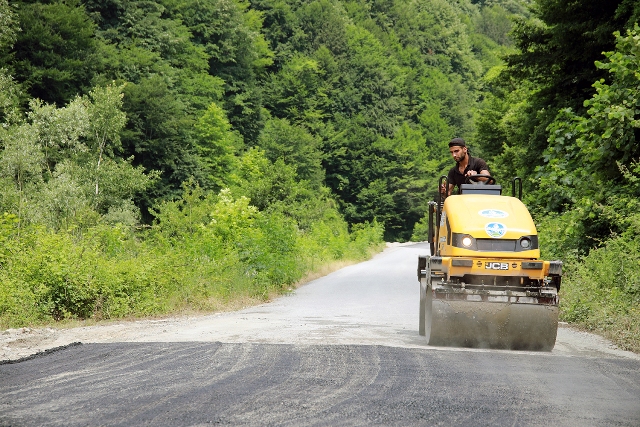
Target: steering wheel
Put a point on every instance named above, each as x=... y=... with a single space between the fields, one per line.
x=474 y=179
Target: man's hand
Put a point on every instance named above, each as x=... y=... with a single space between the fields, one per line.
x=479 y=180
x=443 y=189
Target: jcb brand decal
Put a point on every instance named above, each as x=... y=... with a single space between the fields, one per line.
x=496 y=266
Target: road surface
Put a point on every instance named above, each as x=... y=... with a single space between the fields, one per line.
x=341 y=350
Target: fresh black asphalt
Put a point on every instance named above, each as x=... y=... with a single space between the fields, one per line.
x=200 y=384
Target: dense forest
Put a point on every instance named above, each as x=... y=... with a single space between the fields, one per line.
x=162 y=155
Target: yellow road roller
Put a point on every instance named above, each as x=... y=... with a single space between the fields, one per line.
x=483 y=285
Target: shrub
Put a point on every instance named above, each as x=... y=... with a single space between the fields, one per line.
x=601 y=292
x=205 y=250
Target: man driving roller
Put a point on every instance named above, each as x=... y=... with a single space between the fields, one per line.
x=466 y=166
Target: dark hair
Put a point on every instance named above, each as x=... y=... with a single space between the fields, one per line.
x=457 y=142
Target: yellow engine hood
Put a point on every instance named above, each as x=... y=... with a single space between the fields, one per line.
x=486 y=217
x=483 y=216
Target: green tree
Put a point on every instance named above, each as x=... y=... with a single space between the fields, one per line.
x=381 y=179
x=281 y=28
x=495 y=22
x=55 y=54
x=7 y=25
x=296 y=147
x=368 y=80
x=553 y=68
x=10 y=92
x=168 y=87
x=159 y=137
x=298 y=92
x=591 y=158
x=218 y=145
x=21 y=163
x=371 y=83
x=106 y=120
x=271 y=186
x=434 y=28
x=229 y=32
x=63 y=162
x=323 y=23
x=11 y=95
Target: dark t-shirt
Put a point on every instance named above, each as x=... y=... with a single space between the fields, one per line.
x=475 y=163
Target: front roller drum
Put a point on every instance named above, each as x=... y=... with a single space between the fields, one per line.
x=498 y=325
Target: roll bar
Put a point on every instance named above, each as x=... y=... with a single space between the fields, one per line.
x=513 y=187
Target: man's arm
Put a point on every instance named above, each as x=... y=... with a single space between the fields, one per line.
x=482 y=172
x=449 y=190
x=480 y=165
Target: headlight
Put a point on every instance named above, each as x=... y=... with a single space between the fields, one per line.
x=525 y=242
x=467 y=241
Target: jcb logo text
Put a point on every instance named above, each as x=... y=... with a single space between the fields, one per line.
x=496 y=266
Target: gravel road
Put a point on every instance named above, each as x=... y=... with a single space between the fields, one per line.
x=341 y=350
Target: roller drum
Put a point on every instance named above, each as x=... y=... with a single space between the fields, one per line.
x=498 y=325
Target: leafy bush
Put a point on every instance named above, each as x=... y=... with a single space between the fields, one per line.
x=560 y=235
x=601 y=292
x=421 y=230
x=205 y=250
